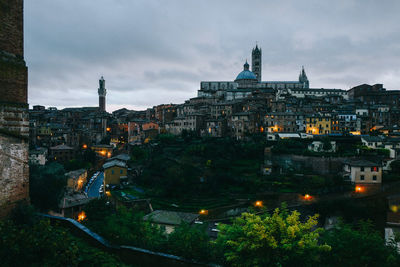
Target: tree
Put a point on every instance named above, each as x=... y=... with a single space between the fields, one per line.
x=277 y=239
x=126 y=227
x=46 y=185
x=138 y=154
x=191 y=242
x=358 y=245
x=326 y=144
x=42 y=244
x=395 y=166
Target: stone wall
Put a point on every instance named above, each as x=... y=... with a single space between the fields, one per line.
x=14 y=171
x=319 y=165
x=14 y=118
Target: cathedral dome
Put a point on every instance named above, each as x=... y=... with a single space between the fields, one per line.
x=246 y=74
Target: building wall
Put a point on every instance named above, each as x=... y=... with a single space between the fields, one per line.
x=357 y=172
x=113 y=175
x=318 y=125
x=76 y=183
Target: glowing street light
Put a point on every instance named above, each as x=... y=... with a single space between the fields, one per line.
x=359 y=189
x=84 y=146
x=307 y=197
x=81 y=216
x=258 y=204
x=203 y=212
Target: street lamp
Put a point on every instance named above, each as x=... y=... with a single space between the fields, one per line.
x=258 y=204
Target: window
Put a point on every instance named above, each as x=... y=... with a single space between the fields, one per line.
x=362 y=169
x=121 y=171
x=374 y=169
x=112 y=171
x=362 y=177
x=374 y=177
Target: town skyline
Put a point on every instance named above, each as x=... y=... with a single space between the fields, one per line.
x=142 y=70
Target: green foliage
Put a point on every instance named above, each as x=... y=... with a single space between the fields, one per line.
x=96 y=210
x=201 y=167
x=138 y=154
x=278 y=239
x=395 y=166
x=191 y=242
x=358 y=245
x=290 y=146
x=166 y=138
x=75 y=164
x=41 y=244
x=326 y=144
x=46 y=185
x=125 y=227
x=89 y=156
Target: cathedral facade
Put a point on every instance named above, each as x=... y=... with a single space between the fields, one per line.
x=248 y=81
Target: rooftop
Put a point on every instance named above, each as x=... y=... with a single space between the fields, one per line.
x=170 y=217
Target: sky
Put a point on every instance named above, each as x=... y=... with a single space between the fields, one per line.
x=154 y=52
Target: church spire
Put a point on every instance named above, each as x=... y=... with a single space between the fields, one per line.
x=303 y=78
x=246 y=66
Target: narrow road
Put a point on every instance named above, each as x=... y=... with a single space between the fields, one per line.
x=95 y=187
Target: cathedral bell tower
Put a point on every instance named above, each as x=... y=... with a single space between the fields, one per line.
x=102 y=94
x=256 y=62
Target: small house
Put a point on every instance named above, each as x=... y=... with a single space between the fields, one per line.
x=115 y=171
x=170 y=219
x=361 y=171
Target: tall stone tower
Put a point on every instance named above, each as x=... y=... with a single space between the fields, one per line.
x=256 y=62
x=303 y=78
x=102 y=94
x=14 y=121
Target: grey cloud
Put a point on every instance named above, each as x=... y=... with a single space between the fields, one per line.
x=165 y=48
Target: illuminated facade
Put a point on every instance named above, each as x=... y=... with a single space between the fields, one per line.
x=114 y=172
x=318 y=124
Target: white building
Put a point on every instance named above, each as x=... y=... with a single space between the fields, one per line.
x=318 y=146
x=363 y=172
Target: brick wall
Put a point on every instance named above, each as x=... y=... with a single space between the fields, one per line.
x=13 y=70
x=13 y=78
x=12 y=27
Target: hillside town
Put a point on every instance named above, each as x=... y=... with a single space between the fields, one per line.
x=247 y=172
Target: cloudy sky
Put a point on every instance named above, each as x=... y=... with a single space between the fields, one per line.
x=153 y=51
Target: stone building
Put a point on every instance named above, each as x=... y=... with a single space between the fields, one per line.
x=248 y=81
x=14 y=123
x=361 y=171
